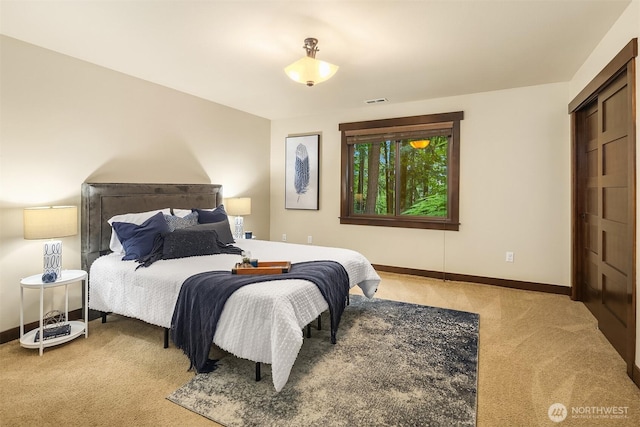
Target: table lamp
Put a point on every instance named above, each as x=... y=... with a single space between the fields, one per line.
x=51 y=223
x=237 y=207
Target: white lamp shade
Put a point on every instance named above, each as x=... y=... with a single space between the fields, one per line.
x=310 y=71
x=50 y=222
x=238 y=206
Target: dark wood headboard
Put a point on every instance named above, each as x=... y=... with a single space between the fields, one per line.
x=102 y=201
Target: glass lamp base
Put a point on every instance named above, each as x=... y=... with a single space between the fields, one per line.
x=238 y=232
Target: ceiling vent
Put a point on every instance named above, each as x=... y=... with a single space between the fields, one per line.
x=376 y=101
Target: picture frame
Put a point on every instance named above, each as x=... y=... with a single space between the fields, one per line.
x=302 y=172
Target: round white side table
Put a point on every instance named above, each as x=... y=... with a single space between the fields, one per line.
x=77 y=327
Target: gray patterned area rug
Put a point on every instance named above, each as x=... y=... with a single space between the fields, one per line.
x=395 y=364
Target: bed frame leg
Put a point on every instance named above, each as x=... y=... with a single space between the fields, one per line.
x=104 y=316
x=166 y=337
x=258 y=376
x=319 y=322
x=309 y=330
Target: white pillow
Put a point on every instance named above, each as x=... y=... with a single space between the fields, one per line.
x=181 y=212
x=133 y=218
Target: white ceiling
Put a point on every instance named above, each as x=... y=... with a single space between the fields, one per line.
x=234 y=52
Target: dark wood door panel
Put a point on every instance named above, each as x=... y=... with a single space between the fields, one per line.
x=593 y=242
x=604 y=204
x=614 y=295
x=613 y=105
x=592 y=167
x=591 y=206
x=614 y=160
x=615 y=246
x=614 y=331
x=591 y=133
x=615 y=204
x=591 y=295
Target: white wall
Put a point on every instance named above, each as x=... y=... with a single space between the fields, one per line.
x=514 y=190
x=626 y=28
x=65 y=121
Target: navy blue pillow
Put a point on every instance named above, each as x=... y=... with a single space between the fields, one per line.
x=137 y=240
x=207 y=217
x=222 y=228
x=184 y=243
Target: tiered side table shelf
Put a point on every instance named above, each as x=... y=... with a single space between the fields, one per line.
x=77 y=327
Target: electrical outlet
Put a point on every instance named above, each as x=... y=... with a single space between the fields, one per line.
x=309 y=239
x=284 y=237
x=509 y=257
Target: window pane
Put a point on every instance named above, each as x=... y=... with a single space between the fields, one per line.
x=373 y=178
x=393 y=177
x=423 y=177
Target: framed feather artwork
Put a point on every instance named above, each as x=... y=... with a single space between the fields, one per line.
x=302 y=172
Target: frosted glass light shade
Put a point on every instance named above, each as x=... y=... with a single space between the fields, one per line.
x=421 y=143
x=310 y=71
x=50 y=222
x=238 y=206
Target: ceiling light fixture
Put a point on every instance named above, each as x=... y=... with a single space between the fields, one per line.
x=421 y=143
x=309 y=70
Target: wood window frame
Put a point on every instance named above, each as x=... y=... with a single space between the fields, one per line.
x=448 y=121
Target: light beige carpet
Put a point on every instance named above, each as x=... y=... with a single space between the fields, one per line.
x=535 y=350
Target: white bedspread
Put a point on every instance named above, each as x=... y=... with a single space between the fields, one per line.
x=261 y=322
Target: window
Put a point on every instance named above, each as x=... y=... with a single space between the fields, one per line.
x=402 y=172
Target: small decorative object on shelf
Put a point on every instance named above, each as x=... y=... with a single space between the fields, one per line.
x=49 y=277
x=54 y=325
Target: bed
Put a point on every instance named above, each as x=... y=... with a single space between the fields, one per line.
x=261 y=322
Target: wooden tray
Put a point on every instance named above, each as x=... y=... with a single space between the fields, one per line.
x=264 y=267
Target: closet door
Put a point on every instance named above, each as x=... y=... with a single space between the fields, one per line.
x=605 y=160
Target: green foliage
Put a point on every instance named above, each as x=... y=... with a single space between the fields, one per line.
x=434 y=206
x=419 y=178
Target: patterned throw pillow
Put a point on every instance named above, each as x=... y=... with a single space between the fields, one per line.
x=176 y=222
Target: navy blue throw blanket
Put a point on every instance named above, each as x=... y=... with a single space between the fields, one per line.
x=202 y=298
